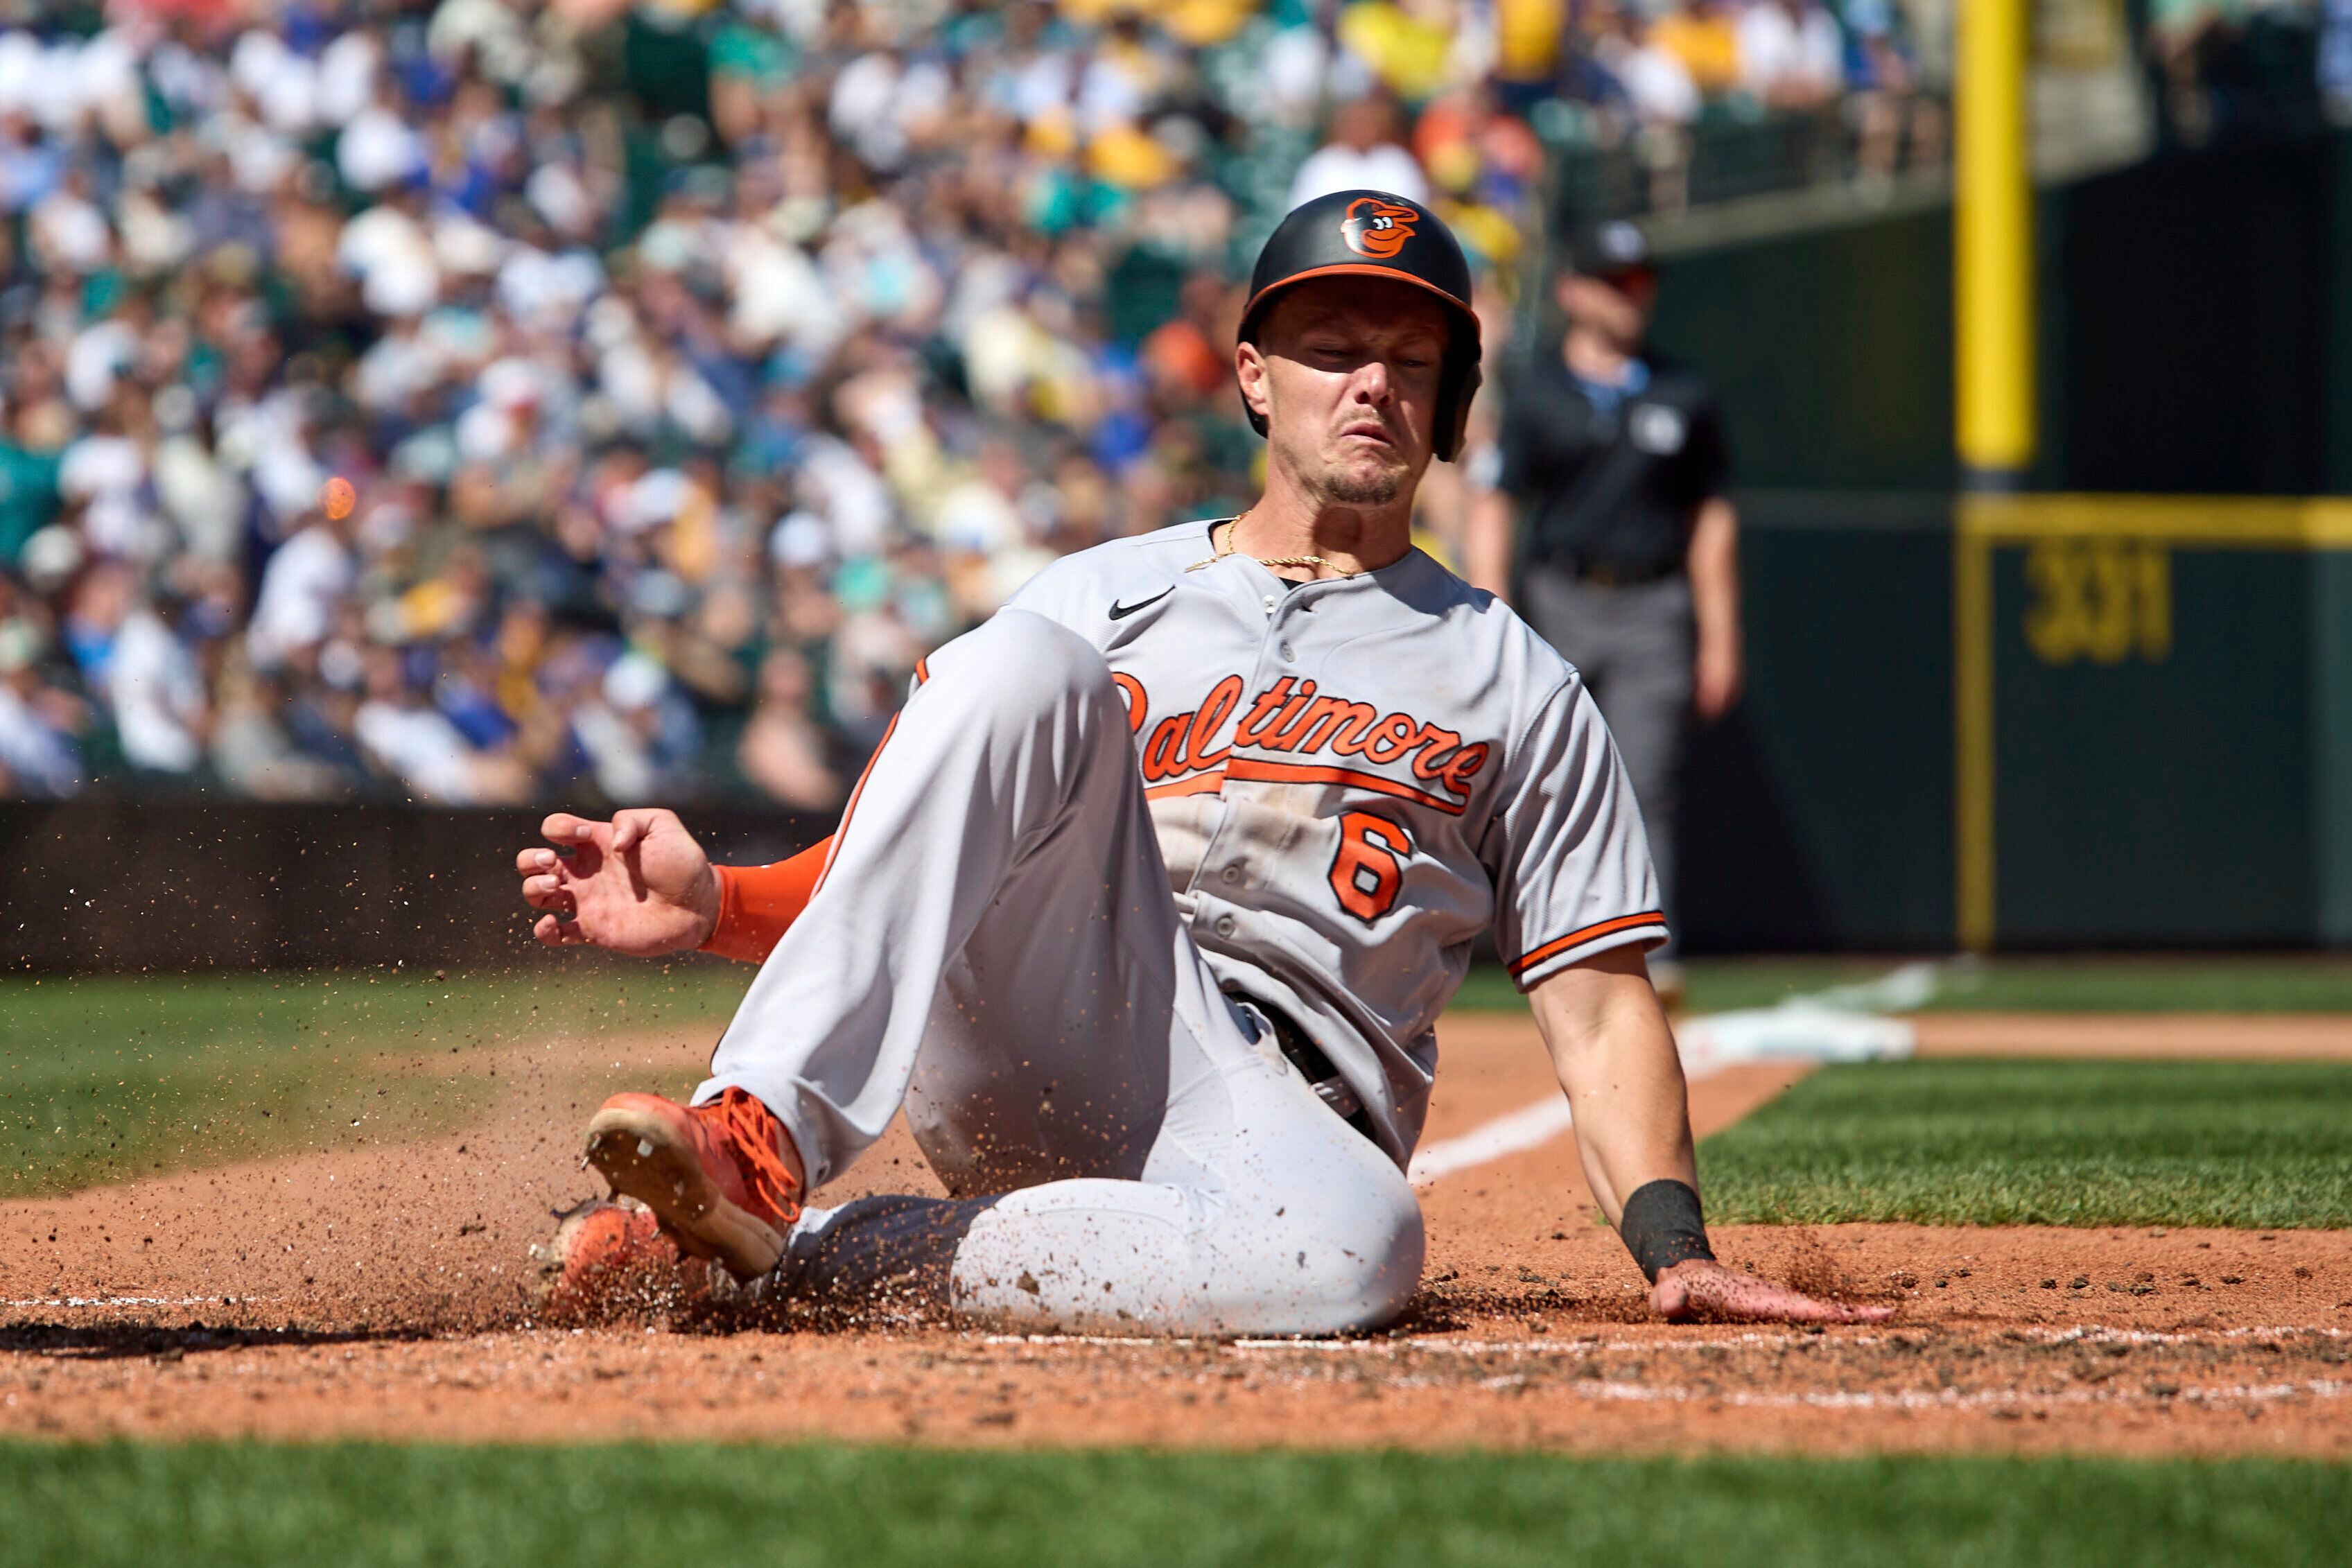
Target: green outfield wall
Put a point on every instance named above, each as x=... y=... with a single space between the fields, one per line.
x=126 y=884
x=2194 y=335
x=2033 y=722
x=1821 y=812
x=2115 y=712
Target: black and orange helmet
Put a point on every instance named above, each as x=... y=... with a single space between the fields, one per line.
x=1374 y=234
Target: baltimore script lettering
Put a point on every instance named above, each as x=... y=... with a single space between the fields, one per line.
x=1291 y=717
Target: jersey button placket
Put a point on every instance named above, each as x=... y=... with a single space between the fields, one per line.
x=1267 y=669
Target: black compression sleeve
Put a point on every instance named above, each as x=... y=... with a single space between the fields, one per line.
x=1663 y=1227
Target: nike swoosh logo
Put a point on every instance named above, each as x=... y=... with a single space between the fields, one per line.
x=1120 y=611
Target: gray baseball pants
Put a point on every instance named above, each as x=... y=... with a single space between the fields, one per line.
x=996 y=947
x=1635 y=648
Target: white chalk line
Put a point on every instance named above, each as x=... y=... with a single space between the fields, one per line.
x=2086 y=1334
x=1114 y=1342
x=1529 y=1127
x=99 y=1301
x=1902 y=989
x=1946 y=1398
x=2183 y=1336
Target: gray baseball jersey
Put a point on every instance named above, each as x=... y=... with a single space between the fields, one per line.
x=1353 y=778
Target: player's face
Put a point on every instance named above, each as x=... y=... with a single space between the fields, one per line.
x=1346 y=372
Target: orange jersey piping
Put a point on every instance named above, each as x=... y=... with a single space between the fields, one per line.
x=1589 y=933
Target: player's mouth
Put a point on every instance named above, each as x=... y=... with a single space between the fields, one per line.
x=1369 y=431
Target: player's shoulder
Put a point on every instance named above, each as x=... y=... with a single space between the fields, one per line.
x=1435 y=588
x=1494 y=641
x=1115 y=567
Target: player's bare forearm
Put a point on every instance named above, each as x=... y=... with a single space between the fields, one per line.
x=1616 y=1057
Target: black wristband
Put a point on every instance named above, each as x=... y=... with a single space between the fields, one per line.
x=1663 y=1227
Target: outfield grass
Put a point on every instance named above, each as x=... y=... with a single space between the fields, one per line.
x=2172 y=982
x=2169 y=984
x=103 y=1078
x=2044 y=1143
x=876 y=1507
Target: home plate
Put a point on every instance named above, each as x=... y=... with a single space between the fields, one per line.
x=1795 y=1031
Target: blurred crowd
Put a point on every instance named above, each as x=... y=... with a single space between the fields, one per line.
x=2222 y=71
x=489 y=401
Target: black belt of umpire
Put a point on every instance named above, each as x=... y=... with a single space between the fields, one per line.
x=1606 y=573
x=1315 y=1067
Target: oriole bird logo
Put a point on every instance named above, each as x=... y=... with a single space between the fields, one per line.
x=1377 y=228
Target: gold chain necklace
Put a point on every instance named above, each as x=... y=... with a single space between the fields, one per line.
x=1225 y=547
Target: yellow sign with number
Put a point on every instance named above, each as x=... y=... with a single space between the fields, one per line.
x=2105 y=600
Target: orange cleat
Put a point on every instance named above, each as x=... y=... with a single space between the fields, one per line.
x=714 y=1175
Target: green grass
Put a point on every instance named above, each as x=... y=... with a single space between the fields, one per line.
x=876 y=1507
x=2044 y=1143
x=103 y=1078
x=2189 y=982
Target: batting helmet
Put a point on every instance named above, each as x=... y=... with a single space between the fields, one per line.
x=1371 y=233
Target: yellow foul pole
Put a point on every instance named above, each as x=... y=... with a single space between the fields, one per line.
x=1992 y=308
x=1992 y=260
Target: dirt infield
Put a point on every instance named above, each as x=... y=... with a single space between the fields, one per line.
x=2270 y=1036
x=378 y=1290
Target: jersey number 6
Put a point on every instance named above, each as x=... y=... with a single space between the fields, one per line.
x=1366 y=873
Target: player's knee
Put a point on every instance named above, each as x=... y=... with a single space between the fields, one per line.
x=1020 y=661
x=1383 y=1275
x=1359 y=1255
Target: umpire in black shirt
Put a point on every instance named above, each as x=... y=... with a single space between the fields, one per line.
x=1607 y=525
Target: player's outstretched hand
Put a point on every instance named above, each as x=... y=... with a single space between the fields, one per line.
x=638 y=884
x=1700 y=1290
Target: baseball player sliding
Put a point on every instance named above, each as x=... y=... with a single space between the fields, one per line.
x=1147 y=905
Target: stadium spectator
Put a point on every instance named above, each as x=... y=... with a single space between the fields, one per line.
x=1362 y=152
x=1703 y=37
x=784 y=752
x=1792 y=55
x=1894 y=121
x=39 y=724
x=2232 y=68
x=694 y=368
x=1637 y=79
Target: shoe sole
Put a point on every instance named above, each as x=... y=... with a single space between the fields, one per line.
x=638 y=1153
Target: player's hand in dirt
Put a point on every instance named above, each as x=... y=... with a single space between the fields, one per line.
x=638 y=884
x=1699 y=1291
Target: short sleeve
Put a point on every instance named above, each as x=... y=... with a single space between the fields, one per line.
x=1515 y=475
x=1706 y=460
x=1568 y=851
